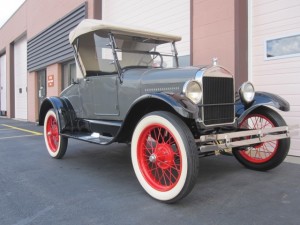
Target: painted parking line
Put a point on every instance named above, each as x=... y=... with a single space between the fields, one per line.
x=19 y=136
x=22 y=129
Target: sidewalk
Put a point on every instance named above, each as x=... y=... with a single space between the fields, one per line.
x=292 y=159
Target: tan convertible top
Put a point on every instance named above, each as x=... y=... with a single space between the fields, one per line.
x=91 y=25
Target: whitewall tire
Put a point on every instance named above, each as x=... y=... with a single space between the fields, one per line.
x=164 y=156
x=55 y=143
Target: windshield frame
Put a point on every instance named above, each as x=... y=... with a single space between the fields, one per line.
x=115 y=50
x=121 y=70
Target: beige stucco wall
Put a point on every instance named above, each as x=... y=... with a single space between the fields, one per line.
x=55 y=70
x=213 y=32
x=34 y=16
x=31 y=18
x=32 y=100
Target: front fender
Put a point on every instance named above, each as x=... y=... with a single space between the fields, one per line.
x=182 y=105
x=155 y=102
x=261 y=99
x=63 y=109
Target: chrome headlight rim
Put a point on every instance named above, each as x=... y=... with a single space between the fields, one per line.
x=194 y=95
x=247 y=93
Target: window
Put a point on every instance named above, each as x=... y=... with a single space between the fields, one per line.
x=283 y=47
x=69 y=73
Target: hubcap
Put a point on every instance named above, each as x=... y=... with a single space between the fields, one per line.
x=152 y=158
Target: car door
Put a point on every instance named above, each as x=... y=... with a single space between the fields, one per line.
x=105 y=96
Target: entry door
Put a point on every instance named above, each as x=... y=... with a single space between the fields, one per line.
x=41 y=86
x=3 y=85
x=20 y=74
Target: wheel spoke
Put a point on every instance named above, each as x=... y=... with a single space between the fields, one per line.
x=159 y=157
x=263 y=151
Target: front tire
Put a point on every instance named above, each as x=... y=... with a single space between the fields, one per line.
x=164 y=156
x=55 y=143
x=266 y=155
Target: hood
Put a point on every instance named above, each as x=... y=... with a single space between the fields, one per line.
x=166 y=80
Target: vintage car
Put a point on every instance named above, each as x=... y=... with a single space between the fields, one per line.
x=131 y=90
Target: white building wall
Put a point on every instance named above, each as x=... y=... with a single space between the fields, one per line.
x=170 y=16
x=271 y=19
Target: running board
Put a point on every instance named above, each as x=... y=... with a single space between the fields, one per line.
x=215 y=142
x=94 y=138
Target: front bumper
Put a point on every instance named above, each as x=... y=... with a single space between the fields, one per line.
x=217 y=142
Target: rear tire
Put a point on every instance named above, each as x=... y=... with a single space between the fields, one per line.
x=164 y=156
x=55 y=143
x=267 y=155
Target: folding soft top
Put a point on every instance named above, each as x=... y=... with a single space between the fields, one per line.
x=91 y=25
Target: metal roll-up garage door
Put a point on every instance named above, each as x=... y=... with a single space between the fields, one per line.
x=275 y=54
x=171 y=16
x=3 y=85
x=20 y=73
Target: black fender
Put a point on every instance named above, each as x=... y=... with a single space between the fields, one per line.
x=261 y=99
x=155 y=102
x=63 y=109
x=181 y=104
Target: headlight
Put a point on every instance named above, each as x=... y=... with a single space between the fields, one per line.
x=193 y=91
x=247 y=92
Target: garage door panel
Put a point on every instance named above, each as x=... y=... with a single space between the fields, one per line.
x=163 y=18
x=291 y=89
x=3 y=83
x=283 y=72
x=276 y=28
x=294 y=102
x=295 y=143
x=273 y=78
x=283 y=14
x=292 y=121
x=273 y=19
x=20 y=73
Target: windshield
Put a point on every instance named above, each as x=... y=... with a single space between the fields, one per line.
x=142 y=52
x=96 y=54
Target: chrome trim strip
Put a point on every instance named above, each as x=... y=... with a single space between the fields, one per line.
x=217 y=124
x=106 y=122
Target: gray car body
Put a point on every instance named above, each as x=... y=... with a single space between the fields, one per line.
x=106 y=98
x=111 y=108
x=111 y=104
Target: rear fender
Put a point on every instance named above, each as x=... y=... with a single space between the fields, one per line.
x=63 y=109
x=261 y=99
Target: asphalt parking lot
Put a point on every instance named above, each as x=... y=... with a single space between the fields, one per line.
x=96 y=185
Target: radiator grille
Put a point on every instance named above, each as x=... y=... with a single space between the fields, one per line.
x=218 y=100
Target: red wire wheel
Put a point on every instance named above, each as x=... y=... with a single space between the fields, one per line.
x=164 y=156
x=262 y=152
x=265 y=155
x=55 y=143
x=159 y=157
x=52 y=133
